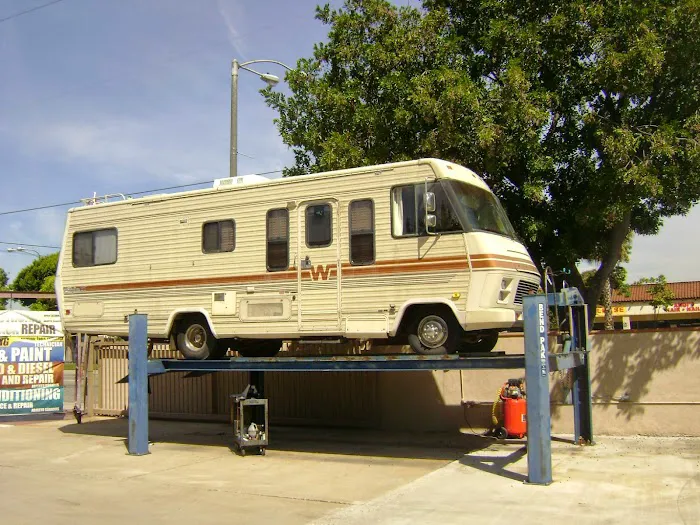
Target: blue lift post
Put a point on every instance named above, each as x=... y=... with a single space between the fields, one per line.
x=138 y=385
x=537 y=361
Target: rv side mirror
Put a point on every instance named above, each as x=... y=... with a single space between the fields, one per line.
x=430 y=202
x=430 y=222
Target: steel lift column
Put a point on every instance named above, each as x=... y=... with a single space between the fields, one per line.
x=138 y=385
x=538 y=364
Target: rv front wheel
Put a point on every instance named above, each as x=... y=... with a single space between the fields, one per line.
x=433 y=335
x=195 y=340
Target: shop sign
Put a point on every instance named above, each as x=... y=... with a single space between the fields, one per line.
x=684 y=307
x=31 y=363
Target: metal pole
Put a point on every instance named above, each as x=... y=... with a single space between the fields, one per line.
x=233 y=170
x=539 y=445
x=138 y=385
x=581 y=388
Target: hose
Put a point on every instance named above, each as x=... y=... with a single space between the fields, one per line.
x=494 y=418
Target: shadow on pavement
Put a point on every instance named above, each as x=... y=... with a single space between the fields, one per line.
x=441 y=446
x=495 y=464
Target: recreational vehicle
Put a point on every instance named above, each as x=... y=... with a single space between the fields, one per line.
x=420 y=252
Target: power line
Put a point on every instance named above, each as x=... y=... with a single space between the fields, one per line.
x=30 y=245
x=29 y=11
x=37 y=208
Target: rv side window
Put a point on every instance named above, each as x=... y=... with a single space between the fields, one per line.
x=318 y=226
x=95 y=248
x=219 y=236
x=361 y=232
x=408 y=210
x=277 y=239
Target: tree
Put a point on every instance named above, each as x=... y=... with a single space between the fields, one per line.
x=616 y=282
x=3 y=286
x=38 y=276
x=583 y=117
x=661 y=294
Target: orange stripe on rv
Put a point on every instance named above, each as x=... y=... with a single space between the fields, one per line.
x=325 y=272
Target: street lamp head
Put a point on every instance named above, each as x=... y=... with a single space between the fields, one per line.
x=270 y=80
x=22 y=249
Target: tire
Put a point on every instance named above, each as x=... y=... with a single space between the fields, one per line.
x=195 y=340
x=434 y=334
x=258 y=347
x=480 y=342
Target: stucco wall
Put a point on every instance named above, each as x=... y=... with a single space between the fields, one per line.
x=643 y=382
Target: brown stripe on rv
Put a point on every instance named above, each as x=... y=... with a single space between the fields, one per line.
x=492 y=263
x=273 y=276
x=481 y=261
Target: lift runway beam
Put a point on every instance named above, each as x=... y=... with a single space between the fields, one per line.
x=382 y=363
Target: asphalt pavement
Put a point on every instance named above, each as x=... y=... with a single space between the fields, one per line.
x=82 y=475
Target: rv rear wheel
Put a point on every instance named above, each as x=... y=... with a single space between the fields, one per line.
x=434 y=334
x=195 y=340
x=258 y=347
x=477 y=342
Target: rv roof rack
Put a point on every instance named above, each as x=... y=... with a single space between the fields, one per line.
x=101 y=199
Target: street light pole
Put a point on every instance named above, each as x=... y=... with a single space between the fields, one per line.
x=234 y=120
x=266 y=77
x=22 y=249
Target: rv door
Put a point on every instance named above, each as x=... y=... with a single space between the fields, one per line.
x=319 y=269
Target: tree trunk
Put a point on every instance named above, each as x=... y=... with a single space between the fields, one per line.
x=607 y=304
x=616 y=239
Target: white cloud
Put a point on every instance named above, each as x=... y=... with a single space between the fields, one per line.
x=234 y=36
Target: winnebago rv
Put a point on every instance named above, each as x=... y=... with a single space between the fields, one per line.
x=417 y=251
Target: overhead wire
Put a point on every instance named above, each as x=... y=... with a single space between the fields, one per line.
x=27 y=11
x=180 y=186
x=30 y=245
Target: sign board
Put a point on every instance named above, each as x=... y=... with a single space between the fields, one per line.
x=31 y=362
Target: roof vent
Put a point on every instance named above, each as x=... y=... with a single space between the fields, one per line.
x=239 y=181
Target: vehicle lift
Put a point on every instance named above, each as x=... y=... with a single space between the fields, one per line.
x=537 y=361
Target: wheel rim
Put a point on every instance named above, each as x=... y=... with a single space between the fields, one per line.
x=195 y=337
x=432 y=331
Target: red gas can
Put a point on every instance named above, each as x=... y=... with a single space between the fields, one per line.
x=515 y=416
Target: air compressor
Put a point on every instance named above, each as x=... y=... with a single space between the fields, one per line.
x=512 y=397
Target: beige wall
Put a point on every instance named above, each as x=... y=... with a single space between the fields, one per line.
x=643 y=382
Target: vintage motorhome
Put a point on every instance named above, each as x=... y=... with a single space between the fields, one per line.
x=420 y=251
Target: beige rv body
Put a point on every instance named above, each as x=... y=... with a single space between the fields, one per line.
x=161 y=269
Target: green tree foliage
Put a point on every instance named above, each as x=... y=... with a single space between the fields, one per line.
x=584 y=117
x=3 y=286
x=39 y=276
x=661 y=294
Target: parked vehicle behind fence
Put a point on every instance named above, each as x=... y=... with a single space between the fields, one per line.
x=418 y=251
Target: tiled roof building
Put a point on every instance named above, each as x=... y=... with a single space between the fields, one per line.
x=640 y=292
x=636 y=312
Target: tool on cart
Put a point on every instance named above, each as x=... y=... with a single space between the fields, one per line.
x=512 y=399
x=250 y=421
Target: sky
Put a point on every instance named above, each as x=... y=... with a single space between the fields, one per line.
x=133 y=95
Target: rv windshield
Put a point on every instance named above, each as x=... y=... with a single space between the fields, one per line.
x=478 y=209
